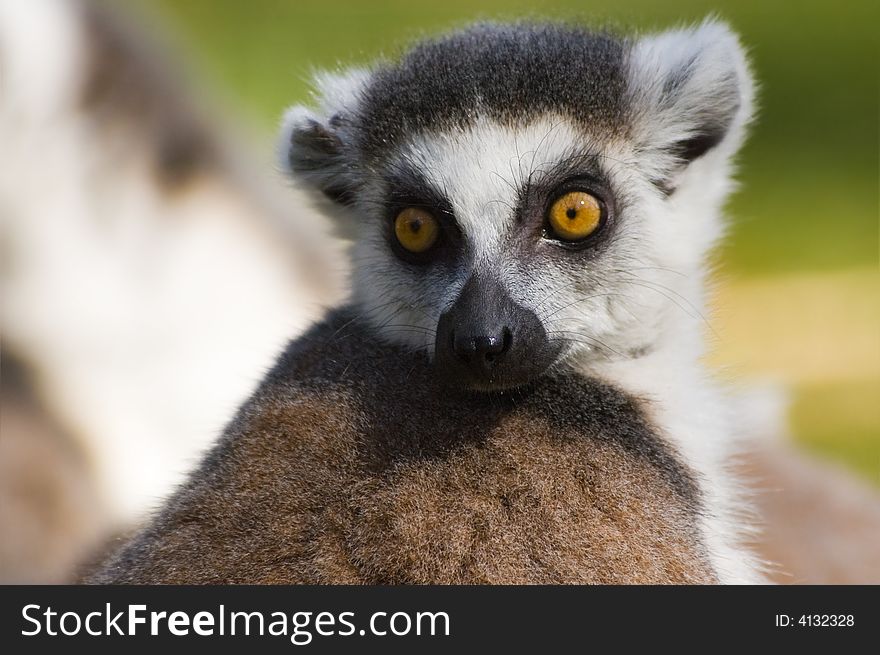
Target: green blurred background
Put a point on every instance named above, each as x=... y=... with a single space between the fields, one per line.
x=799 y=283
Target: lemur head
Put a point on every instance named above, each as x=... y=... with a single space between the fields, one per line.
x=525 y=195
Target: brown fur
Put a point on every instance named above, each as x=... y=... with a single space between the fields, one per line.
x=50 y=514
x=350 y=465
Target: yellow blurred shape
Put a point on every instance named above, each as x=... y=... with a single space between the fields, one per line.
x=805 y=328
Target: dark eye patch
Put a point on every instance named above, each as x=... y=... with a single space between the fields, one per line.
x=579 y=172
x=407 y=187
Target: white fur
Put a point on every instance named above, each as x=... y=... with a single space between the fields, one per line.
x=718 y=68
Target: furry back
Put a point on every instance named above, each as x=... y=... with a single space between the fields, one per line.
x=351 y=465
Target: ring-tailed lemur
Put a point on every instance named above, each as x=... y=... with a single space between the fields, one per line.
x=156 y=227
x=515 y=392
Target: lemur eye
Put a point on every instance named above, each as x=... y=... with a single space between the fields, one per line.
x=416 y=229
x=575 y=216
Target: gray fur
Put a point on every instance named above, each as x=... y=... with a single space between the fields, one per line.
x=511 y=74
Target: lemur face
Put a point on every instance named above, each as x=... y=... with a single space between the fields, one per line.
x=527 y=195
x=495 y=248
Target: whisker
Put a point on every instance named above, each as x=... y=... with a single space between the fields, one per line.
x=671 y=295
x=577 y=302
x=585 y=340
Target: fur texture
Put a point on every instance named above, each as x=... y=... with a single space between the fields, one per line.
x=350 y=465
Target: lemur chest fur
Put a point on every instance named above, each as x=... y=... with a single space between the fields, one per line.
x=352 y=465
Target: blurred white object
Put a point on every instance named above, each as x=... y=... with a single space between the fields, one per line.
x=147 y=280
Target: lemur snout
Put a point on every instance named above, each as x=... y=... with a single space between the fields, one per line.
x=487 y=341
x=482 y=350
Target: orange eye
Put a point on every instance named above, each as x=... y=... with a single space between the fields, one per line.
x=416 y=229
x=575 y=216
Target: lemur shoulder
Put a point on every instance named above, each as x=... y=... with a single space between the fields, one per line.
x=514 y=392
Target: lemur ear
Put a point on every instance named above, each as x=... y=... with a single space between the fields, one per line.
x=315 y=144
x=691 y=92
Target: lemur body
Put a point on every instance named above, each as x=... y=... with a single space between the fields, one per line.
x=353 y=465
x=515 y=393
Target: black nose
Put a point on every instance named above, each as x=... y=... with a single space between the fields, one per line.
x=482 y=350
x=486 y=341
